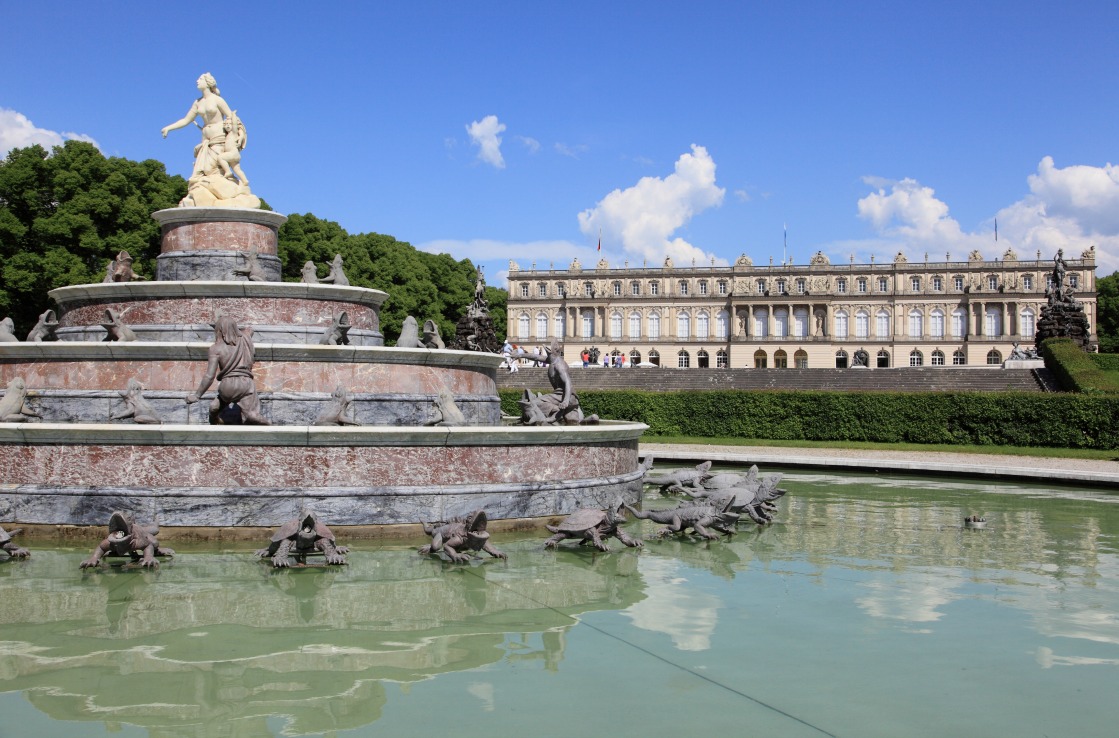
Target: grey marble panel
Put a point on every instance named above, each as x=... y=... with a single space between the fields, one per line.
x=271 y=334
x=185 y=266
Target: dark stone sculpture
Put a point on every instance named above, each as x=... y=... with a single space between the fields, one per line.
x=136 y=406
x=1063 y=316
x=44 y=329
x=431 y=338
x=340 y=411
x=975 y=521
x=677 y=480
x=13 y=405
x=115 y=328
x=128 y=538
x=695 y=515
x=8 y=331
x=302 y=537
x=446 y=411
x=409 y=334
x=861 y=360
x=1017 y=353
x=120 y=269
x=592 y=526
x=337 y=277
x=474 y=330
x=562 y=406
x=10 y=548
x=231 y=362
x=251 y=271
x=467 y=533
x=338 y=333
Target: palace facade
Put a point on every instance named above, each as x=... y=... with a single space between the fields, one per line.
x=901 y=313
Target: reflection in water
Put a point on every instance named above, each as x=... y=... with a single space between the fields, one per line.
x=881 y=567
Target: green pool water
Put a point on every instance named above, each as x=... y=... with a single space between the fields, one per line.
x=867 y=610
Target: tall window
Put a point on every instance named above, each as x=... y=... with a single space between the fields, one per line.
x=883 y=284
x=654 y=357
x=654 y=326
x=634 y=357
x=780 y=323
x=683 y=325
x=522 y=325
x=959 y=358
x=683 y=361
x=800 y=322
x=780 y=360
x=938 y=284
x=635 y=325
x=588 y=324
x=958 y=282
x=722 y=287
x=915 y=284
x=841 y=285
x=841 y=324
x=617 y=289
x=654 y=288
x=703 y=288
x=541 y=325
x=936 y=324
x=561 y=324
x=993 y=324
x=542 y=290
x=915 y=323
x=862 y=324
x=992 y=282
x=702 y=360
x=1027 y=323
x=524 y=289
x=1027 y=282
x=1074 y=281
x=722 y=324
x=915 y=358
x=761 y=286
x=860 y=284
x=615 y=325
x=561 y=290
x=781 y=287
x=588 y=289
x=635 y=288
x=959 y=323
x=761 y=323
x=800 y=359
x=682 y=287
x=882 y=324
x=702 y=325
x=801 y=286
x=937 y=358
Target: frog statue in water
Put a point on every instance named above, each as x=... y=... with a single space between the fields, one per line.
x=128 y=538
x=301 y=537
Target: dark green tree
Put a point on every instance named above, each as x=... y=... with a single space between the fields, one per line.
x=66 y=214
x=498 y=300
x=1107 y=313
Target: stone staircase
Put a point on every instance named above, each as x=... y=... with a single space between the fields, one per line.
x=907 y=379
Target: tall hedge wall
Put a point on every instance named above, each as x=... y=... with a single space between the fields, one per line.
x=1005 y=418
x=1074 y=369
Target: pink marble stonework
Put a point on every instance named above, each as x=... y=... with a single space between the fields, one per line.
x=210 y=229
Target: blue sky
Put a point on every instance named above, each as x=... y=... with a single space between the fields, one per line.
x=698 y=130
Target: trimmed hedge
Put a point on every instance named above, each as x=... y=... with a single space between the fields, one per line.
x=1075 y=369
x=1001 y=419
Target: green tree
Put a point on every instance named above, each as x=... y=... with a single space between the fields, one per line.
x=65 y=214
x=1107 y=313
x=498 y=300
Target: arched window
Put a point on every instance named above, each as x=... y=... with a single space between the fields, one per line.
x=615 y=325
x=916 y=358
x=800 y=359
x=936 y=325
x=959 y=358
x=841 y=324
x=959 y=323
x=588 y=324
x=683 y=361
x=702 y=325
x=937 y=358
x=800 y=322
x=780 y=322
x=840 y=359
x=702 y=360
x=993 y=326
x=634 y=357
x=721 y=359
x=760 y=361
x=522 y=326
x=541 y=325
x=654 y=357
x=915 y=323
x=883 y=359
x=683 y=325
x=654 y=326
x=994 y=357
x=882 y=324
x=722 y=324
x=561 y=324
x=1027 y=323
x=780 y=359
x=862 y=324
x=635 y=325
x=761 y=323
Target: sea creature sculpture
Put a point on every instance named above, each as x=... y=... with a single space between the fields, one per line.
x=432 y=339
x=120 y=269
x=409 y=334
x=446 y=411
x=340 y=411
x=251 y=270
x=590 y=525
x=115 y=329
x=128 y=538
x=460 y=537
x=337 y=277
x=8 y=331
x=136 y=406
x=695 y=515
x=338 y=334
x=10 y=548
x=301 y=537
x=532 y=411
x=680 y=480
x=44 y=329
x=13 y=405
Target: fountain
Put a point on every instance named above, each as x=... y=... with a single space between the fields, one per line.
x=125 y=344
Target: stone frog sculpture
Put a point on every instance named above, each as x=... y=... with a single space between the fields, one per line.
x=44 y=329
x=309 y=274
x=13 y=405
x=115 y=329
x=301 y=537
x=10 y=548
x=431 y=338
x=136 y=406
x=680 y=480
x=128 y=538
x=338 y=334
x=589 y=525
x=409 y=334
x=460 y=537
x=340 y=411
x=446 y=411
x=8 y=331
x=695 y=515
x=337 y=277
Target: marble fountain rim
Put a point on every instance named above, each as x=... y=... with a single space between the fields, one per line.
x=198 y=351
x=174 y=216
x=117 y=434
x=201 y=289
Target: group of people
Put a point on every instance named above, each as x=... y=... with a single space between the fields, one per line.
x=616 y=360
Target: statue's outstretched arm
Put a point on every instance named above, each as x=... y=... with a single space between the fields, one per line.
x=184 y=121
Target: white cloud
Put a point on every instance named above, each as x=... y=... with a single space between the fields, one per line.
x=644 y=217
x=742 y=195
x=571 y=150
x=17 y=132
x=529 y=143
x=486 y=135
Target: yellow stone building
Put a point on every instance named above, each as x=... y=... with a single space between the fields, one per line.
x=900 y=313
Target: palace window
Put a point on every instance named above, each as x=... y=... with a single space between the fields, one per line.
x=561 y=324
x=862 y=324
x=588 y=289
x=781 y=287
x=761 y=286
x=860 y=284
x=654 y=288
x=936 y=325
x=800 y=322
x=524 y=289
x=882 y=324
x=703 y=288
x=617 y=289
x=721 y=360
x=654 y=327
x=683 y=361
x=936 y=358
x=915 y=284
x=780 y=360
x=588 y=324
x=635 y=325
x=541 y=325
x=993 y=324
x=761 y=322
x=840 y=359
x=1027 y=323
x=916 y=358
x=938 y=284
x=800 y=359
x=992 y=282
x=683 y=325
x=1074 y=281
x=959 y=358
x=760 y=361
x=702 y=360
x=959 y=323
x=542 y=290
x=615 y=326
x=654 y=357
x=634 y=357
x=994 y=357
x=841 y=324
x=722 y=324
x=916 y=323
x=561 y=290
x=722 y=287
x=958 y=282
x=702 y=325
x=780 y=323
x=883 y=284
x=841 y=285
x=635 y=288
x=883 y=359
x=801 y=286
x=522 y=325
x=682 y=287
x=1027 y=282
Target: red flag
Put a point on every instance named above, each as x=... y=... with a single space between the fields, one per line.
x=600 y=243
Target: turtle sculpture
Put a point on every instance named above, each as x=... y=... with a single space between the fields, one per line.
x=10 y=548
x=460 y=537
x=303 y=536
x=679 y=481
x=591 y=525
x=128 y=538
x=695 y=515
